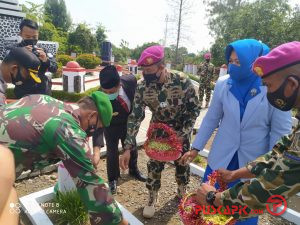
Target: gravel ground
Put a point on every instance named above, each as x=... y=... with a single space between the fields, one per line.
x=133 y=194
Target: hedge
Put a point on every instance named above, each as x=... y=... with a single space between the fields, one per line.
x=60 y=95
x=64 y=59
x=88 y=61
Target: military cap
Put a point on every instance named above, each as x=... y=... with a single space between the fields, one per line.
x=207 y=55
x=104 y=107
x=27 y=59
x=279 y=58
x=151 y=56
x=109 y=77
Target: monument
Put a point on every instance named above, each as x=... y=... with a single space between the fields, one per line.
x=11 y=16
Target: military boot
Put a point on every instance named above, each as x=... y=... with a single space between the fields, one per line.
x=149 y=209
x=181 y=191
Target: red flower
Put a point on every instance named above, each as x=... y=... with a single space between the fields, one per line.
x=171 y=140
x=187 y=205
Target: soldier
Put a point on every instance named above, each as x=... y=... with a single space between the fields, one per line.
x=172 y=100
x=206 y=76
x=40 y=130
x=276 y=172
x=120 y=91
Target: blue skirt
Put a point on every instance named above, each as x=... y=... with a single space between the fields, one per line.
x=233 y=165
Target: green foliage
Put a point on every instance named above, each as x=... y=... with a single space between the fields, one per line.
x=74 y=211
x=81 y=40
x=60 y=95
x=272 y=21
x=58 y=72
x=10 y=93
x=88 y=61
x=56 y=12
x=47 y=32
x=193 y=77
x=201 y=161
x=34 y=11
x=64 y=59
x=100 y=35
x=136 y=53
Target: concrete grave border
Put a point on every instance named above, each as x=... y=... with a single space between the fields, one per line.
x=31 y=204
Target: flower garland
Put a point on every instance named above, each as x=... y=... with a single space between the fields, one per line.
x=162 y=149
x=190 y=215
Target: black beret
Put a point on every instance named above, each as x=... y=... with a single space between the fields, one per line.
x=109 y=77
x=25 y=58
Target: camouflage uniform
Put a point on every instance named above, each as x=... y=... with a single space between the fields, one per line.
x=277 y=173
x=174 y=103
x=39 y=130
x=206 y=76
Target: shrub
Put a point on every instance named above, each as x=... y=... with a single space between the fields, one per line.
x=193 y=77
x=88 y=61
x=64 y=59
x=60 y=95
x=58 y=73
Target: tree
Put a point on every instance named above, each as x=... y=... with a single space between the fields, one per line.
x=270 y=21
x=82 y=40
x=48 y=32
x=181 y=8
x=34 y=12
x=56 y=12
x=136 y=53
x=100 y=35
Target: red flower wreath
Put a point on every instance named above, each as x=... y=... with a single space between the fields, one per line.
x=188 y=205
x=162 y=148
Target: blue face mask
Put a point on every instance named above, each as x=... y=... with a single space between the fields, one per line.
x=235 y=72
x=113 y=96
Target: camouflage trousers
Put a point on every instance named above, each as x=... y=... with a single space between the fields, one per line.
x=204 y=87
x=182 y=173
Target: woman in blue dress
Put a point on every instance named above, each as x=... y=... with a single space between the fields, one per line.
x=247 y=124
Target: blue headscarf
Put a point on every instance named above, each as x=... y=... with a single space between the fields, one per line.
x=245 y=84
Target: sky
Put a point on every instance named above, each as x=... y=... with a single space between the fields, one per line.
x=140 y=21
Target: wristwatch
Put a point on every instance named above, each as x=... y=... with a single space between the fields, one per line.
x=210 y=197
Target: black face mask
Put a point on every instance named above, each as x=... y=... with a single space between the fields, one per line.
x=18 y=80
x=27 y=42
x=150 y=78
x=91 y=128
x=279 y=101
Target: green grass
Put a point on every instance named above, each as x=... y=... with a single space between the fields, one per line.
x=201 y=161
x=73 y=208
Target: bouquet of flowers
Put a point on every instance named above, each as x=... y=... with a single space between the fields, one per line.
x=164 y=147
x=189 y=213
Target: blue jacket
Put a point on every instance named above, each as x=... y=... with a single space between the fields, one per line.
x=261 y=127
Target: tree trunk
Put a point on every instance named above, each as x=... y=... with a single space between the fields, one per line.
x=178 y=32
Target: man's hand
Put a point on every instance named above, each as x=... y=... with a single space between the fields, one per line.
x=42 y=55
x=188 y=157
x=202 y=192
x=124 y=159
x=227 y=176
x=96 y=156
